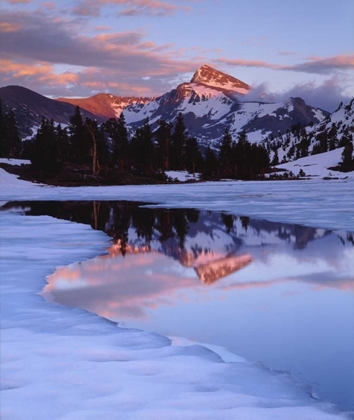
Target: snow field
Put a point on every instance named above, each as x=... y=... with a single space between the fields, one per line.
x=317 y=203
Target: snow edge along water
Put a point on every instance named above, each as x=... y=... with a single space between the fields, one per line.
x=65 y=363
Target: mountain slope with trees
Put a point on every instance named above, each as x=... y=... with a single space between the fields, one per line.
x=335 y=131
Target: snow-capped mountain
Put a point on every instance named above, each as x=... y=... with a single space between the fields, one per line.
x=211 y=102
x=334 y=131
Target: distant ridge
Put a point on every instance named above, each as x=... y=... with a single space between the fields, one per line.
x=30 y=107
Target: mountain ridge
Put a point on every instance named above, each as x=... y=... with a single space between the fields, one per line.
x=211 y=103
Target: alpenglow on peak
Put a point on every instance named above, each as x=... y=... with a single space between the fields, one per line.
x=209 y=76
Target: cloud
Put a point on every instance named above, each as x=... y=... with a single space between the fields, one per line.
x=129 y=7
x=249 y=63
x=18 y=1
x=47 y=80
x=315 y=65
x=127 y=53
x=9 y=27
x=327 y=96
x=325 y=65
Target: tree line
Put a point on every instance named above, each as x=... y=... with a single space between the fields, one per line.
x=109 y=148
x=10 y=141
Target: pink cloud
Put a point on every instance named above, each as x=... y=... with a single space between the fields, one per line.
x=18 y=1
x=314 y=64
x=129 y=7
x=249 y=63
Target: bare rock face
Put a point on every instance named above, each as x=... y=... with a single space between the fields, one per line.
x=106 y=105
x=208 y=76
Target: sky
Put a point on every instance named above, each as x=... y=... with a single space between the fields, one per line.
x=77 y=48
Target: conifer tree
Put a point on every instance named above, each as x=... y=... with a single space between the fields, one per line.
x=142 y=149
x=80 y=141
x=12 y=144
x=44 y=152
x=92 y=128
x=193 y=156
x=2 y=132
x=347 y=154
x=179 y=138
x=225 y=156
x=118 y=133
x=211 y=166
x=163 y=144
x=62 y=142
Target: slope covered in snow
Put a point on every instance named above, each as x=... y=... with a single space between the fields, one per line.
x=317 y=166
x=333 y=131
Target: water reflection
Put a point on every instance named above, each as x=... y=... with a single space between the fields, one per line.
x=274 y=292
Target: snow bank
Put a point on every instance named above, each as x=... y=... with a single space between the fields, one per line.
x=182 y=176
x=15 y=161
x=317 y=165
x=317 y=203
x=61 y=363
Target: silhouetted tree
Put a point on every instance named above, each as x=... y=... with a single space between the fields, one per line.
x=63 y=143
x=179 y=138
x=118 y=133
x=347 y=155
x=226 y=163
x=211 y=166
x=11 y=141
x=142 y=150
x=193 y=157
x=80 y=141
x=44 y=151
x=163 y=145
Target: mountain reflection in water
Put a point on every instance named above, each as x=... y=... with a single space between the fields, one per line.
x=274 y=292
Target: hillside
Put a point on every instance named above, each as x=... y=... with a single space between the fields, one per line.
x=336 y=130
x=30 y=107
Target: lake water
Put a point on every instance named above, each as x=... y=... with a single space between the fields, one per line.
x=276 y=293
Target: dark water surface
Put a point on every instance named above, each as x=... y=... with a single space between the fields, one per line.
x=277 y=293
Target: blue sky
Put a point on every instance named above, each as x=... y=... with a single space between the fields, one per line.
x=147 y=47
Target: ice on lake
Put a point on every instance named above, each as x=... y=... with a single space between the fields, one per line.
x=66 y=363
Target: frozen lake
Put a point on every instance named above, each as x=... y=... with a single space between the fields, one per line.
x=272 y=292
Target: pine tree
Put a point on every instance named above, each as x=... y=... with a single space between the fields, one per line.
x=193 y=156
x=80 y=140
x=142 y=150
x=92 y=127
x=118 y=134
x=62 y=142
x=347 y=155
x=163 y=144
x=179 y=138
x=225 y=156
x=44 y=152
x=211 y=166
x=11 y=139
x=121 y=146
x=2 y=132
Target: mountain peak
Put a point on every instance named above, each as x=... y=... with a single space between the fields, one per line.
x=211 y=77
